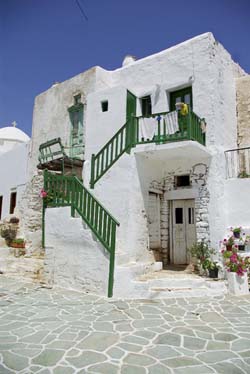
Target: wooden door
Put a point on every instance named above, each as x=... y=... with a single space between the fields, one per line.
x=183 y=230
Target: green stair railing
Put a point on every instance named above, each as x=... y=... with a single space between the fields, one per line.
x=69 y=191
x=120 y=143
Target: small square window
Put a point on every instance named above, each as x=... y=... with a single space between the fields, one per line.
x=182 y=181
x=105 y=105
x=146 y=106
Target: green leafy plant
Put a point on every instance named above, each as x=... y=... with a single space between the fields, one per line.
x=202 y=252
x=243 y=174
x=210 y=265
x=18 y=241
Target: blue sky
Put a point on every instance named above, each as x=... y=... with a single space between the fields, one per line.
x=43 y=41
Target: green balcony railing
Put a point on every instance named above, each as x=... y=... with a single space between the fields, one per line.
x=190 y=128
x=69 y=191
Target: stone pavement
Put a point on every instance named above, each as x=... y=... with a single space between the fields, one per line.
x=65 y=332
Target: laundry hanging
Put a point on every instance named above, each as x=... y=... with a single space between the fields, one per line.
x=171 y=121
x=147 y=128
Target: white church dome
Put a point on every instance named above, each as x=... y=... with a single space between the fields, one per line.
x=13 y=134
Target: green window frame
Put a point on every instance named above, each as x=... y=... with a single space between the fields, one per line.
x=184 y=95
x=76 y=132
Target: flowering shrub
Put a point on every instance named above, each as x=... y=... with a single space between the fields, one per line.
x=235 y=263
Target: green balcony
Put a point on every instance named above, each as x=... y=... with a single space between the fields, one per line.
x=190 y=127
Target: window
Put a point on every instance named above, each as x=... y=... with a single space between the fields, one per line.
x=77 y=99
x=12 y=202
x=146 y=106
x=105 y=106
x=178 y=216
x=1 y=206
x=182 y=181
x=181 y=96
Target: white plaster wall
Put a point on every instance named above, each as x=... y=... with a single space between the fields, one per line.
x=101 y=126
x=50 y=115
x=13 y=174
x=72 y=257
x=119 y=190
x=237 y=202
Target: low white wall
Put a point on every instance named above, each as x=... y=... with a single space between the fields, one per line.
x=13 y=174
x=237 y=202
x=72 y=257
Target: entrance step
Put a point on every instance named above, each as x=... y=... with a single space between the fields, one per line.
x=169 y=284
x=25 y=267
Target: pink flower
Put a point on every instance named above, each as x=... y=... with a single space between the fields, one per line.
x=43 y=193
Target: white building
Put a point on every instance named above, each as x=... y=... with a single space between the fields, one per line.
x=167 y=189
x=14 y=148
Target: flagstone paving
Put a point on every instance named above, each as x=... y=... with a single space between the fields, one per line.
x=60 y=331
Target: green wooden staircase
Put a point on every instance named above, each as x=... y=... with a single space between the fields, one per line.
x=69 y=191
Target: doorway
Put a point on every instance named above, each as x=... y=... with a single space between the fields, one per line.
x=183 y=230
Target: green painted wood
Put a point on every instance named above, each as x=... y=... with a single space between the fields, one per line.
x=69 y=190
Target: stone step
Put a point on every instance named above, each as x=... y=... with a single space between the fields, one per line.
x=164 y=284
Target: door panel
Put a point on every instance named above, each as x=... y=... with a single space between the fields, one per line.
x=183 y=230
x=154 y=221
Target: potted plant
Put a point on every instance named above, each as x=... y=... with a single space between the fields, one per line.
x=237 y=268
x=228 y=243
x=212 y=267
x=236 y=232
x=17 y=243
x=241 y=245
x=201 y=252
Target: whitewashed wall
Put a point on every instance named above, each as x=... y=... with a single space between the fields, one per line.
x=72 y=257
x=13 y=174
x=237 y=202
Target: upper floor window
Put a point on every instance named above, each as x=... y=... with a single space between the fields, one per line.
x=105 y=105
x=12 y=202
x=181 y=96
x=146 y=106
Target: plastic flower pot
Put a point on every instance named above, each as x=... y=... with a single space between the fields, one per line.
x=241 y=247
x=213 y=273
x=237 y=234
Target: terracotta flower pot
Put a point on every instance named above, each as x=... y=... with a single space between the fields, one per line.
x=17 y=245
